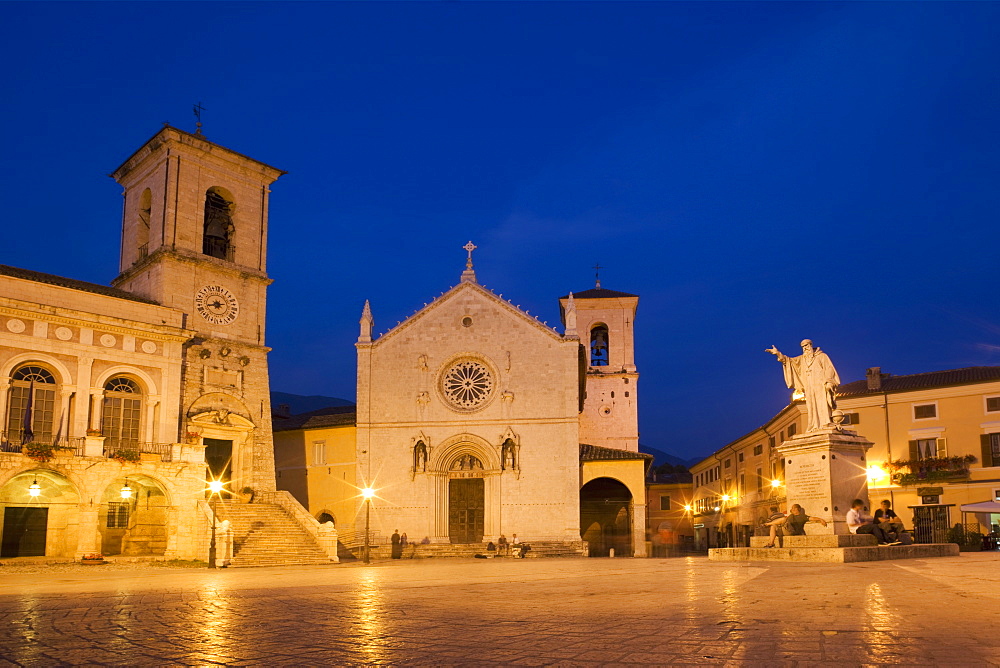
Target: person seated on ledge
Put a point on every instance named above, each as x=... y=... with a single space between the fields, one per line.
x=887 y=520
x=502 y=545
x=858 y=521
x=774 y=520
x=797 y=519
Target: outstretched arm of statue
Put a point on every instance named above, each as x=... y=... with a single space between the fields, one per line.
x=777 y=353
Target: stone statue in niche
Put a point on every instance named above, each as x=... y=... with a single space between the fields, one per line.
x=467 y=463
x=508 y=458
x=422 y=362
x=812 y=375
x=420 y=457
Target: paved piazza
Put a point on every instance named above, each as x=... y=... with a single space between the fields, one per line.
x=524 y=612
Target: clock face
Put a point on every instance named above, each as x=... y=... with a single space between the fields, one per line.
x=217 y=305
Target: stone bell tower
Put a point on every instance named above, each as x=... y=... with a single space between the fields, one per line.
x=194 y=238
x=604 y=322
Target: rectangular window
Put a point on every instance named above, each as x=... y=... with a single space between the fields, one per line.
x=118 y=514
x=770 y=442
x=758 y=449
x=792 y=428
x=319 y=453
x=760 y=480
x=925 y=411
x=851 y=418
x=926 y=448
x=994 y=451
x=992 y=404
x=743 y=485
x=728 y=462
x=664 y=502
x=739 y=458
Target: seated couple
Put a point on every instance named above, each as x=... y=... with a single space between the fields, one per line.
x=859 y=521
x=793 y=524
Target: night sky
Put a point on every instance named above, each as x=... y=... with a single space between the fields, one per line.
x=757 y=173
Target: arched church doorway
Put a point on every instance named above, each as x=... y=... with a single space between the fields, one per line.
x=466 y=500
x=134 y=524
x=606 y=517
x=40 y=515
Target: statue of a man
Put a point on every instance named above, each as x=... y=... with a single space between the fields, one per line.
x=812 y=375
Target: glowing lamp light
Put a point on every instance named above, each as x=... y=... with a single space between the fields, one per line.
x=717 y=509
x=687 y=509
x=775 y=483
x=875 y=473
x=34 y=489
x=126 y=490
x=726 y=497
x=368 y=493
x=215 y=486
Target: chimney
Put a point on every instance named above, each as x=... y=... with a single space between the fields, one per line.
x=874 y=375
x=284 y=410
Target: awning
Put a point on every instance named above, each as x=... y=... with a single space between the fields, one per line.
x=984 y=507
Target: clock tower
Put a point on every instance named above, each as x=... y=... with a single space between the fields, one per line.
x=194 y=238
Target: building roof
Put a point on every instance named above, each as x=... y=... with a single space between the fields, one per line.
x=917 y=381
x=595 y=453
x=598 y=293
x=333 y=416
x=71 y=283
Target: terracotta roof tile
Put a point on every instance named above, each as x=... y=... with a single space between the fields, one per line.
x=71 y=283
x=972 y=374
x=334 y=416
x=595 y=453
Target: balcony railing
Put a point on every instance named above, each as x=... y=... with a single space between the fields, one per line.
x=125 y=449
x=11 y=441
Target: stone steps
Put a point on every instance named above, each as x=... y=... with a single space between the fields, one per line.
x=538 y=550
x=266 y=535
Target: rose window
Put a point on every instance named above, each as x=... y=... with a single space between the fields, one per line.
x=467 y=385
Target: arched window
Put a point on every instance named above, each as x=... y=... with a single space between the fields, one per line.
x=219 y=228
x=31 y=409
x=142 y=227
x=122 y=412
x=599 y=345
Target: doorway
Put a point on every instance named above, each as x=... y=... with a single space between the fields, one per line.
x=930 y=524
x=24 y=532
x=219 y=459
x=466 y=509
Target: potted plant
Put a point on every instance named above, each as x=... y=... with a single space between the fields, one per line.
x=126 y=456
x=247 y=494
x=41 y=452
x=94 y=558
x=192 y=437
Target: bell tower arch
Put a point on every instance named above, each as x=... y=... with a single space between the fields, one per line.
x=194 y=238
x=604 y=320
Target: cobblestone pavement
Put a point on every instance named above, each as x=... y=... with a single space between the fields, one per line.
x=524 y=612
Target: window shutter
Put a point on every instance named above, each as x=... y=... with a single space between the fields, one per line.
x=984 y=440
x=914 y=451
x=942 y=447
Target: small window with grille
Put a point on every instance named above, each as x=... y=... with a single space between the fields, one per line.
x=118 y=514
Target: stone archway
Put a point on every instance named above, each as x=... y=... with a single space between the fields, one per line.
x=42 y=525
x=606 y=517
x=137 y=525
x=466 y=470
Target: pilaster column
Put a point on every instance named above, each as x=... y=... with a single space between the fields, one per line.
x=96 y=396
x=88 y=541
x=82 y=413
x=4 y=391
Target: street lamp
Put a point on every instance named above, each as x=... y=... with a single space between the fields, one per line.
x=215 y=487
x=126 y=490
x=367 y=493
x=34 y=489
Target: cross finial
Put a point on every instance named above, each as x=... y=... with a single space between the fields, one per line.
x=597 y=274
x=197 y=114
x=469 y=275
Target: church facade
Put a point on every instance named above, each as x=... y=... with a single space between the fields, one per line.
x=475 y=420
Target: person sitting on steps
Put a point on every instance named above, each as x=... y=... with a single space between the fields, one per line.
x=860 y=522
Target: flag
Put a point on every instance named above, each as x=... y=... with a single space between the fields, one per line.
x=26 y=434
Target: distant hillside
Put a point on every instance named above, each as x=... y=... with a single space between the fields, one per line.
x=298 y=403
x=661 y=457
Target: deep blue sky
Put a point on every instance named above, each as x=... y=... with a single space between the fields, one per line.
x=757 y=173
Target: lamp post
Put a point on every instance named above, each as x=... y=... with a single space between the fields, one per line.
x=367 y=493
x=215 y=486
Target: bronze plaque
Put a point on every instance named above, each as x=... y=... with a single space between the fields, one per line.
x=930 y=491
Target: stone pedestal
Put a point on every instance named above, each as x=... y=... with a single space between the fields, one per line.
x=824 y=471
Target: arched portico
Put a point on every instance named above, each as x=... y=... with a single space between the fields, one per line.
x=134 y=524
x=40 y=514
x=606 y=517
